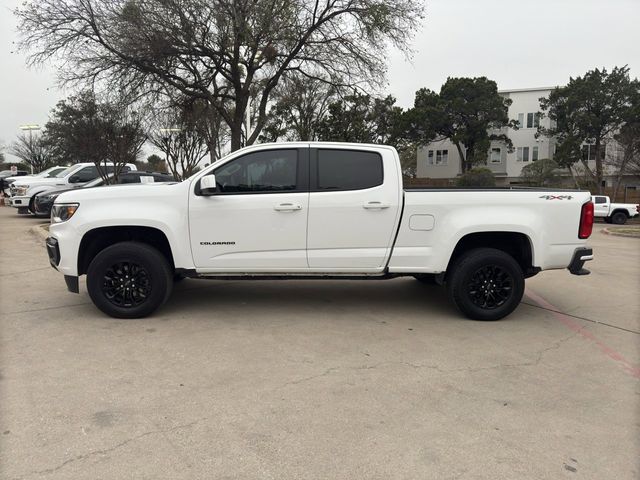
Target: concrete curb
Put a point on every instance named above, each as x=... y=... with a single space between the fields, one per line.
x=41 y=231
x=606 y=231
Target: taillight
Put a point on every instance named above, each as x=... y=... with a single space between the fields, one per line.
x=586 y=221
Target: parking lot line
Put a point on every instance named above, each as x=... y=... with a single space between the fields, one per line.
x=566 y=320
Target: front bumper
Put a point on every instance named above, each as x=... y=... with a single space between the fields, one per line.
x=20 y=202
x=53 y=250
x=580 y=256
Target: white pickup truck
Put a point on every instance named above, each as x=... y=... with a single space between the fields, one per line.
x=617 y=213
x=314 y=210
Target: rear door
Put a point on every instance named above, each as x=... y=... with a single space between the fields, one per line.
x=354 y=208
x=257 y=220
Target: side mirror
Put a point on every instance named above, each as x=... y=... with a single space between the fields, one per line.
x=208 y=185
x=74 y=179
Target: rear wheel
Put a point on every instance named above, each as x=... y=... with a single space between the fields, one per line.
x=619 y=218
x=486 y=284
x=129 y=280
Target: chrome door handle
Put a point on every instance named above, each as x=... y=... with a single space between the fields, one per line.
x=287 y=207
x=377 y=205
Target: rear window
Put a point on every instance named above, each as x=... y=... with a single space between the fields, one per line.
x=348 y=170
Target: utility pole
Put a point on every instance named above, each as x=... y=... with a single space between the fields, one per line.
x=30 y=128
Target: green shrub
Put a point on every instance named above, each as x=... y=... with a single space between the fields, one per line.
x=477 y=177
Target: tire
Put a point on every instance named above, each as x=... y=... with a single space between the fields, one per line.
x=619 y=218
x=426 y=278
x=467 y=281
x=32 y=206
x=129 y=262
x=177 y=278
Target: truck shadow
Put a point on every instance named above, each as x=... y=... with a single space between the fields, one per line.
x=402 y=297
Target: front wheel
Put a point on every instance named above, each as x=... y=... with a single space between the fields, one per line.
x=486 y=284
x=129 y=280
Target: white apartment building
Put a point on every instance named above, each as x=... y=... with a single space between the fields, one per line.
x=441 y=160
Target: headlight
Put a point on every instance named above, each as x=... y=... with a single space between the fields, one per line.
x=62 y=212
x=22 y=189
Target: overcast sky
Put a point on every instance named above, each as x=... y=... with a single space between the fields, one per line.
x=517 y=43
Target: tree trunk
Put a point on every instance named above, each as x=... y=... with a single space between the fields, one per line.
x=463 y=160
x=236 y=136
x=599 y=174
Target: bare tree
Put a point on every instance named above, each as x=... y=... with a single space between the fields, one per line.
x=300 y=105
x=182 y=134
x=217 y=50
x=32 y=150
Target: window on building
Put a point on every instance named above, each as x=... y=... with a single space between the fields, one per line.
x=430 y=157
x=530 y=120
x=536 y=120
x=496 y=155
x=442 y=157
x=522 y=154
x=521 y=120
x=589 y=152
x=534 y=154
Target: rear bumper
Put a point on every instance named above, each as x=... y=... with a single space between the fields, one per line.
x=580 y=256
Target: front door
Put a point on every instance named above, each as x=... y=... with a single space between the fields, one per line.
x=600 y=206
x=257 y=220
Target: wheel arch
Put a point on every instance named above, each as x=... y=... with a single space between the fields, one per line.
x=620 y=210
x=97 y=239
x=516 y=244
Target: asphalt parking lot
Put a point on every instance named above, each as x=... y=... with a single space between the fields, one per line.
x=319 y=380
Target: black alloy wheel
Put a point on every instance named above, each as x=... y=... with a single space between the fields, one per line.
x=126 y=284
x=490 y=287
x=129 y=280
x=485 y=284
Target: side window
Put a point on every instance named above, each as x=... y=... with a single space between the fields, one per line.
x=87 y=174
x=129 y=178
x=266 y=171
x=600 y=199
x=348 y=170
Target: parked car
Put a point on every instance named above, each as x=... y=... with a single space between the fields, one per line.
x=617 y=213
x=48 y=173
x=5 y=175
x=314 y=210
x=44 y=200
x=24 y=191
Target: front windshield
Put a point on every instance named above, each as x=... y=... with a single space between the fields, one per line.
x=53 y=172
x=64 y=172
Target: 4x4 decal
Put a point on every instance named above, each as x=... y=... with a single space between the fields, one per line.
x=556 y=197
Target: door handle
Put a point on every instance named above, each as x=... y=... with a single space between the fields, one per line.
x=376 y=205
x=287 y=207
